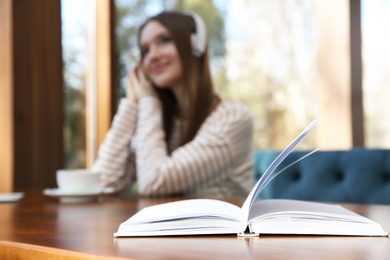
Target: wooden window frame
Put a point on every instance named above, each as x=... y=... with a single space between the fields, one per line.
x=105 y=79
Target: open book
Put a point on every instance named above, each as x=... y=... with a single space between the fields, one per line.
x=208 y=216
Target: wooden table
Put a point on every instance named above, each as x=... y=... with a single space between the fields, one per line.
x=39 y=227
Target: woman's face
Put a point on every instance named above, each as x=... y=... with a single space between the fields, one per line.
x=160 y=58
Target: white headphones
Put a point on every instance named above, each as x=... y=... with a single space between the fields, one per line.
x=198 y=39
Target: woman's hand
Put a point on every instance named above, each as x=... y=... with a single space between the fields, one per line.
x=138 y=86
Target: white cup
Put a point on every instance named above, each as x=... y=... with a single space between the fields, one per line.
x=79 y=181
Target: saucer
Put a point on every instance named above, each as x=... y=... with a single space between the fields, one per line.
x=70 y=197
x=11 y=197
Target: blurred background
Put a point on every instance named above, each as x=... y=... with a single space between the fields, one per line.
x=263 y=53
x=63 y=64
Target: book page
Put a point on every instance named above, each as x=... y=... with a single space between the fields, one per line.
x=195 y=208
x=186 y=217
x=267 y=174
x=295 y=217
x=281 y=206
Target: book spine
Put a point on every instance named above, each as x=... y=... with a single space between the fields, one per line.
x=248 y=232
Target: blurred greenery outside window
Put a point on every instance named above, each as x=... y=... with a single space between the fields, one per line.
x=263 y=53
x=74 y=54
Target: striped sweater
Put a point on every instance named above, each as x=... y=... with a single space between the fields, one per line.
x=218 y=162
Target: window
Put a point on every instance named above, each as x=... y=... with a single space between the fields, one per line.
x=75 y=56
x=271 y=66
x=263 y=53
x=376 y=72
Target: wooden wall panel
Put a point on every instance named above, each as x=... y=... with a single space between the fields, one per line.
x=38 y=92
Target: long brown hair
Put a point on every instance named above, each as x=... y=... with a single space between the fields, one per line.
x=196 y=72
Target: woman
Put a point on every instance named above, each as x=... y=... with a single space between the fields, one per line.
x=172 y=133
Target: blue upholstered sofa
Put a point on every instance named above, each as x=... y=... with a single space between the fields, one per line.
x=352 y=176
